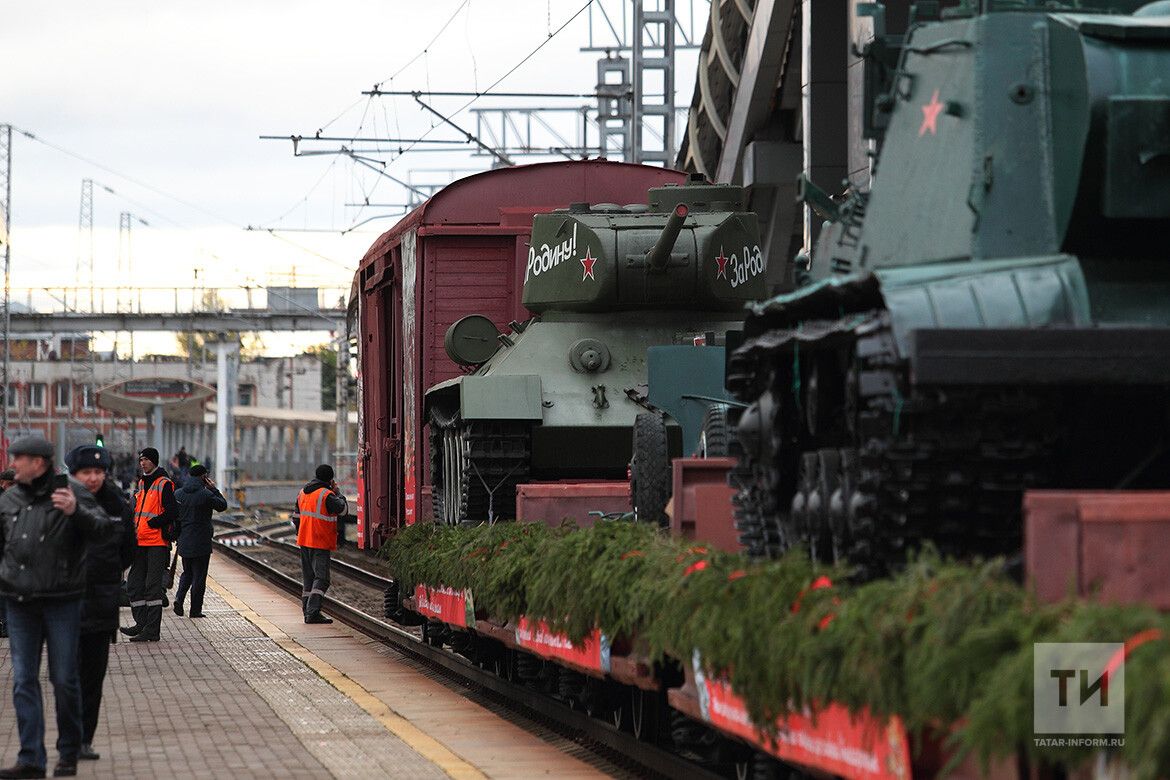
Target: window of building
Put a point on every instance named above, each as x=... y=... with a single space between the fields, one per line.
x=62 y=395
x=247 y=395
x=36 y=395
x=87 y=397
x=13 y=395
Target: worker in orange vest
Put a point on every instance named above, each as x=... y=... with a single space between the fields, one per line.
x=318 y=506
x=155 y=510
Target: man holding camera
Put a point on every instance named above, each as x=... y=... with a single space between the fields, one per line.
x=46 y=522
x=318 y=506
x=198 y=498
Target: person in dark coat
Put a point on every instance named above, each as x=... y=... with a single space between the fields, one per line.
x=198 y=498
x=7 y=480
x=46 y=522
x=105 y=560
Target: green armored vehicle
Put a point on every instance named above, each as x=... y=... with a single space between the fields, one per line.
x=994 y=313
x=557 y=396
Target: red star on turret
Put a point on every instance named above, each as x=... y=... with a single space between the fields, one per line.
x=930 y=116
x=721 y=262
x=587 y=262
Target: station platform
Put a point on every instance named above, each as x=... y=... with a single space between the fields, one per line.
x=251 y=691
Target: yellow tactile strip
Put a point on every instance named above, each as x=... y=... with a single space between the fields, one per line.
x=421 y=742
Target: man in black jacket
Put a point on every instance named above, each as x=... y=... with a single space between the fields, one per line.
x=7 y=480
x=198 y=498
x=155 y=510
x=46 y=521
x=105 y=560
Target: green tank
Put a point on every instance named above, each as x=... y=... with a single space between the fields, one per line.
x=993 y=313
x=556 y=397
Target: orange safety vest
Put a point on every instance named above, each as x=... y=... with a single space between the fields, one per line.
x=148 y=505
x=318 y=528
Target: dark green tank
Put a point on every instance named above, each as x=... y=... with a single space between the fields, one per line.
x=556 y=396
x=993 y=314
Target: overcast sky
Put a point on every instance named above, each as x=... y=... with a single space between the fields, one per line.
x=173 y=96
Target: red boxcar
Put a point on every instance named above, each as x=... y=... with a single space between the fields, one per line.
x=462 y=252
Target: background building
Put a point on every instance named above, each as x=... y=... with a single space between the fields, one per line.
x=54 y=383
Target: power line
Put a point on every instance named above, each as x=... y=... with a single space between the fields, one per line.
x=430 y=43
x=472 y=138
x=120 y=175
x=170 y=196
x=298 y=139
x=438 y=93
x=513 y=69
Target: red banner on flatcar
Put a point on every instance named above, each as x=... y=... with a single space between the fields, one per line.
x=593 y=653
x=856 y=746
x=454 y=607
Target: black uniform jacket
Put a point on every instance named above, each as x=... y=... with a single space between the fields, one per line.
x=40 y=547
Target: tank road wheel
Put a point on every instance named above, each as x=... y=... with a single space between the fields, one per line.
x=448 y=470
x=451 y=477
x=844 y=499
x=475 y=467
x=650 y=475
x=821 y=542
x=715 y=438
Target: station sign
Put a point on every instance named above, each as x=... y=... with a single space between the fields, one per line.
x=156 y=388
x=181 y=400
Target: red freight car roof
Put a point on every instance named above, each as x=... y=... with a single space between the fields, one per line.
x=476 y=199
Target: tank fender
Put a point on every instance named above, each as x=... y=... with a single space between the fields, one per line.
x=1033 y=292
x=504 y=397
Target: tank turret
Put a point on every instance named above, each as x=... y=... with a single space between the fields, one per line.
x=692 y=247
x=555 y=397
x=991 y=315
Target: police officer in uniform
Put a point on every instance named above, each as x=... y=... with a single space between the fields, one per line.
x=155 y=509
x=318 y=506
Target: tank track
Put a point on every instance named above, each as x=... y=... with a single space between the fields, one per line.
x=496 y=457
x=902 y=468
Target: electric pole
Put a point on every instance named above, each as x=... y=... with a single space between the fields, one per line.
x=6 y=210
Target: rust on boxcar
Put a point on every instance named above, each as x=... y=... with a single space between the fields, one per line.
x=460 y=252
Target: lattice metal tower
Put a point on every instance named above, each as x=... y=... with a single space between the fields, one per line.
x=635 y=95
x=653 y=53
x=85 y=241
x=125 y=280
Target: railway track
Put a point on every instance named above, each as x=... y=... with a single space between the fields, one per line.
x=272 y=559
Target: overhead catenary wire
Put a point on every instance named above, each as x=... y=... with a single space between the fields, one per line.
x=137 y=182
x=424 y=50
x=510 y=71
x=472 y=98
x=351 y=106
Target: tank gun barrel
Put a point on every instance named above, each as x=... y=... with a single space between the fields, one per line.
x=816 y=198
x=658 y=257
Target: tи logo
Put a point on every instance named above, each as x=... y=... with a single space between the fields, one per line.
x=1078 y=688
